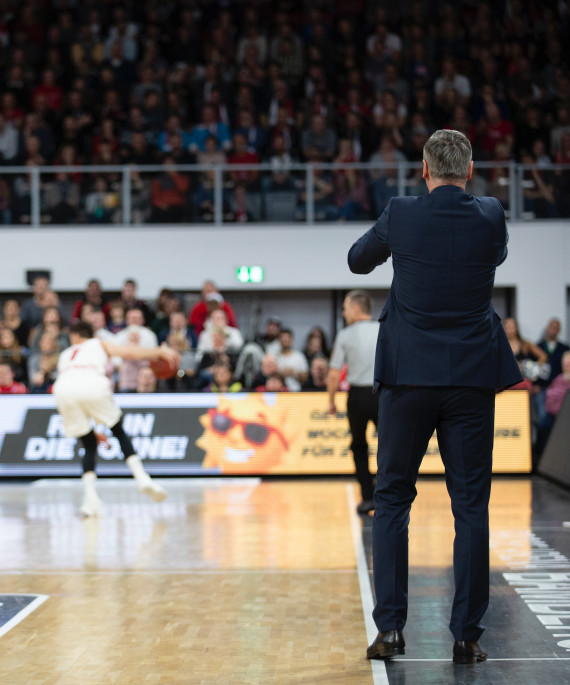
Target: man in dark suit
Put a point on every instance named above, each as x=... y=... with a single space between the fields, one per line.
x=441 y=355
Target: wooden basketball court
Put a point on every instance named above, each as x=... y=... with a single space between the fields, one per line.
x=250 y=581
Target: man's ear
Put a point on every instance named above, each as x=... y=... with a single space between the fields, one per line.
x=470 y=170
x=425 y=172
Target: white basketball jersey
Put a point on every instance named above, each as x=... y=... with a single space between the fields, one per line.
x=87 y=356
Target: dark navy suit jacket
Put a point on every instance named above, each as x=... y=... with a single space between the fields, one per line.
x=438 y=327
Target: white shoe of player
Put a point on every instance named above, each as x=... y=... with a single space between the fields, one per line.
x=145 y=483
x=91 y=505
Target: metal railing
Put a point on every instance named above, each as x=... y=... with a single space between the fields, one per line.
x=259 y=193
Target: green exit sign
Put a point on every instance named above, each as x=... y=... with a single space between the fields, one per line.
x=250 y=274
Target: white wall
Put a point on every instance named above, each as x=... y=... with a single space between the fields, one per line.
x=294 y=257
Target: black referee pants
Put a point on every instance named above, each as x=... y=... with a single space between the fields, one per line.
x=362 y=407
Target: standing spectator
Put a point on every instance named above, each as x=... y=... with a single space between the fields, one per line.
x=291 y=363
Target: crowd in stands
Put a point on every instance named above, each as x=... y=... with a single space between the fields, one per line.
x=214 y=357
x=221 y=81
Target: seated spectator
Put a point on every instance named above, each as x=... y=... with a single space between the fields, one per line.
x=269 y=340
x=138 y=151
x=211 y=299
x=12 y=320
x=319 y=137
x=177 y=325
x=8 y=385
x=166 y=303
x=529 y=356
x=555 y=349
x=351 y=187
x=211 y=153
x=285 y=127
x=42 y=364
x=185 y=379
x=218 y=321
x=274 y=383
x=146 y=380
x=280 y=160
x=241 y=155
x=318 y=370
x=538 y=188
x=209 y=127
x=449 y=78
x=385 y=178
x=323 y=190
x=130 y=300
x=291 y=363
x=116 y=321
x=493 y=130
x=52 y=322
x=102 y=204
x=238 y=210
x=13 y=353
x=134 y=334
x=5 y=202
x=316 y=344
x=173 y=128
x=168 y=193
x=223 y=380
x=253 y=134
x=9 y=141
x=32 y=308
x=555 y=394
x=94 y=296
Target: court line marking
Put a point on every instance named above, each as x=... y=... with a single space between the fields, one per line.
x=379 y=672
x=521 y=658
x=172 y=572
x=21 y=615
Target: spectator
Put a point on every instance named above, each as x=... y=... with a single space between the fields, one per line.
x=146 y=380
x=102 y=204
x=526 y=353
x=12 y=320
x=290 y=362
x=9 y=386
x=268 y=368
x=9 y=141
x=12 y=352
x=209 y=127
x=42 y=365
x=555 y=394
x=318 y=370
x=94 y=296
x=177 y=325
x=274 y=383
x=211 y=299
x=555 y=349
x=116 y=317
x=449 y=78
x=51 y=322
x=135 y=333
x=130 y=300
x=166 y=303
x=32 y=308
x=493 y=130
x=218 y=321
x=269 y=340
x=169 y=192
x=223 y=380
x=319 y=137
x=316 y=344
x=241 y=155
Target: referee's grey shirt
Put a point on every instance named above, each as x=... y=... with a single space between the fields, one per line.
x=355 y=346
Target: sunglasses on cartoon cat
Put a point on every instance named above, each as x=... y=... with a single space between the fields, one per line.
x=255 y=433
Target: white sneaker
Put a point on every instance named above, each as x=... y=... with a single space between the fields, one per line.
x=145 y=483
x=91 y=505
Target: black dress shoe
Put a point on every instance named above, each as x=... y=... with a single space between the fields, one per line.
x=365 y=506
x=386 y=645
x=468 y=652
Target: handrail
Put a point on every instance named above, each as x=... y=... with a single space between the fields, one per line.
x=510 y=186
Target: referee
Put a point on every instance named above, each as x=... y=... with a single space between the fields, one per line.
x=355 y=346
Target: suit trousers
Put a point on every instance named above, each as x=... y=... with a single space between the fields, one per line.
x=362 y=407
x=464 y=420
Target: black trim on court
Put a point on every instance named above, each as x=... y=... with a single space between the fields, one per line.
x=522 y=651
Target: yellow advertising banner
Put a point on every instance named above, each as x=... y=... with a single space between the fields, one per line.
x=292 y=433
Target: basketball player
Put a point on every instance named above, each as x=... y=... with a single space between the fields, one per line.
x=82 y=392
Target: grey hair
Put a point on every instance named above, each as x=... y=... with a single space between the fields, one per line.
x=448 y=154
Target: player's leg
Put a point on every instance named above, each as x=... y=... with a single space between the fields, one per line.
x=104 y=410
x=91 y=505
x=145 y=483
x=358 y=416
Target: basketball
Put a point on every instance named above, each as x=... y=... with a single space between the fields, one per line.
x=163 y=369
